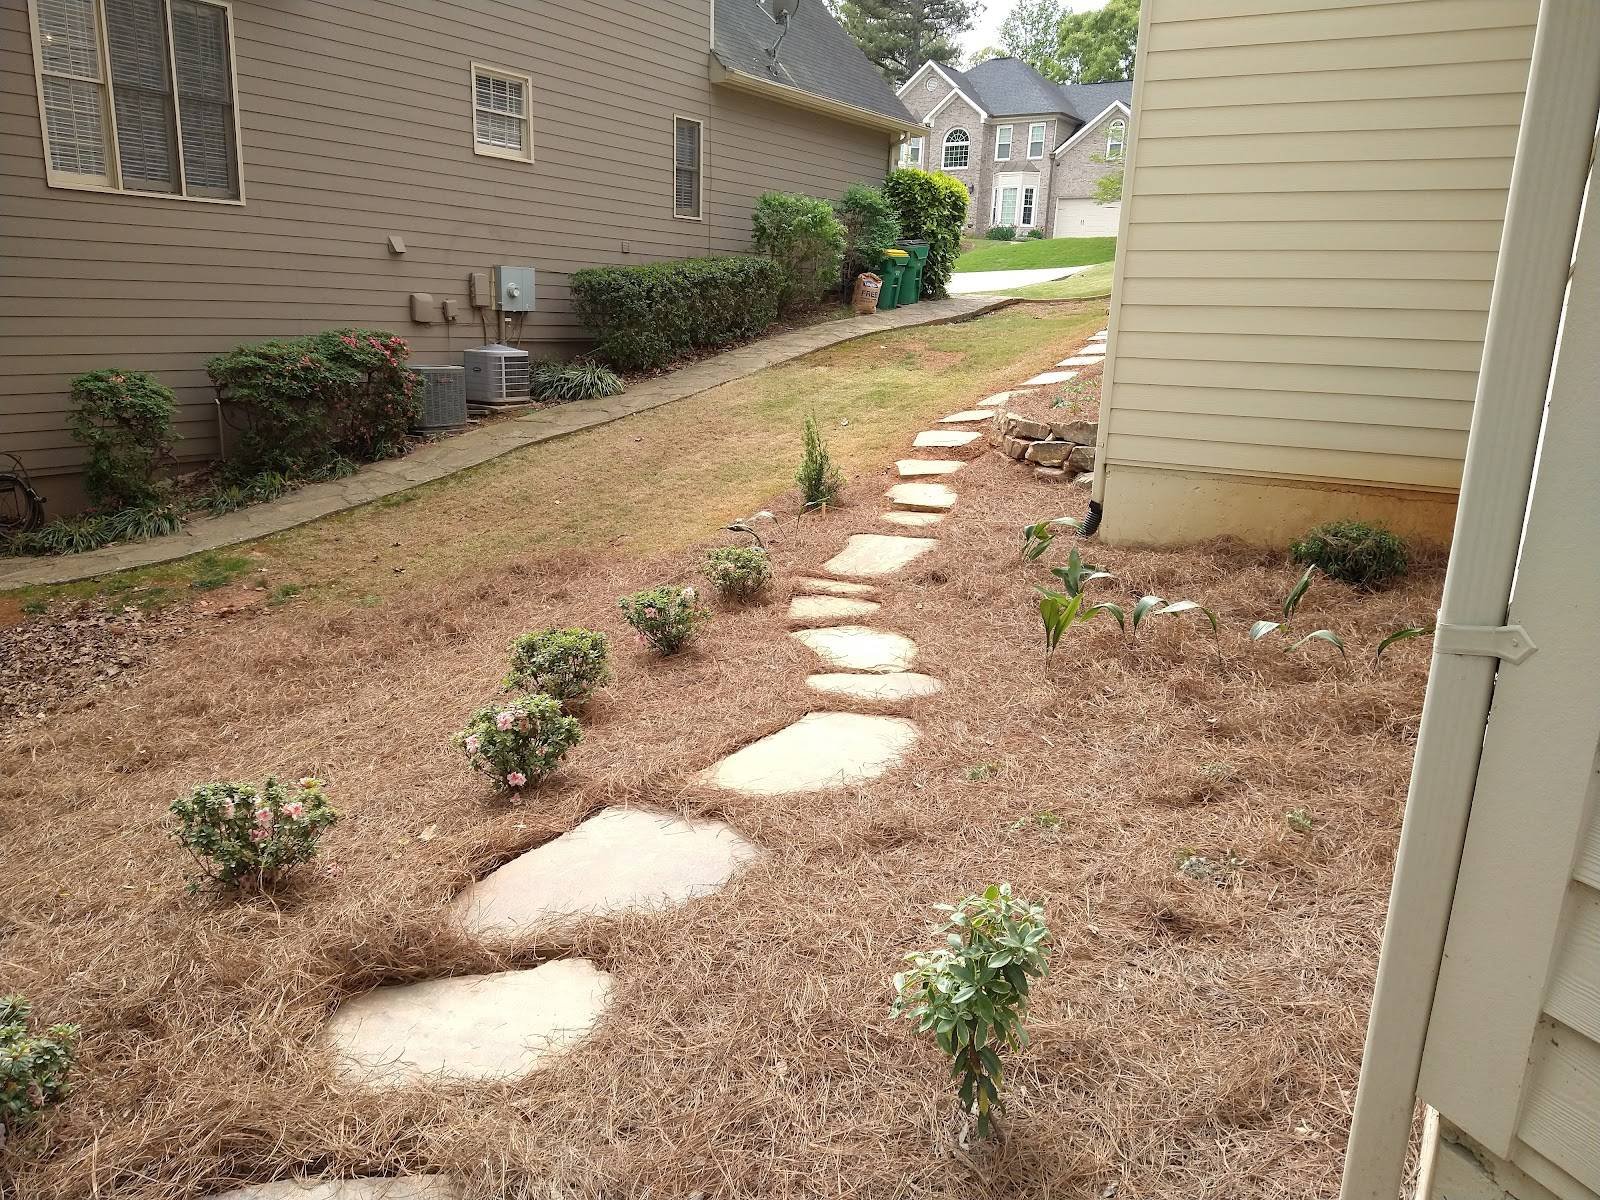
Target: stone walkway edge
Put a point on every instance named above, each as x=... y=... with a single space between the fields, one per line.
x=450 y=455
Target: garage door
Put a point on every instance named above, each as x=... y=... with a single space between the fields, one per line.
x=1085 y=218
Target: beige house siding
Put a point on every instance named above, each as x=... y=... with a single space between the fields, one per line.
x=356 y=124
x=1313 y=207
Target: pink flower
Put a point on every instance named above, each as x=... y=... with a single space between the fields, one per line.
x=259 y=835
x=295 y=810
x=263 y=816
x=504 y=720
x=471 y=744
x=516 y=779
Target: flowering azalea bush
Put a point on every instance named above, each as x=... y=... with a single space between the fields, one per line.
x=739 y=572
x=664 y=617
x=568 y=664
x=516 y=743
x=242 y=836
x=33 y=1066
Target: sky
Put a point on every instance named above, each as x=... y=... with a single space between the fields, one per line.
x=994 y=11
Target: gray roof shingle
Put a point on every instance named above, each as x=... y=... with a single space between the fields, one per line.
x=1009 y=87
x=1089 y=100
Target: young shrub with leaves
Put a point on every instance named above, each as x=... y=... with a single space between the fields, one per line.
x=516 y=743
x=738 y=572
x=820 y=481
x=870 y=228
x=561 y=383
x=805 y=239
x=971 y=994
x=932 y=207
x=1292 y=601
x=567 y=664
x=124 y=420
x=1364 y=556
x=1060 y=611
x=243 y=837
x=33 y=1066
x=665 y=617
x=1000 y=233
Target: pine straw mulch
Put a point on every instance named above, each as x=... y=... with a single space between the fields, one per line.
x=1194 y=1038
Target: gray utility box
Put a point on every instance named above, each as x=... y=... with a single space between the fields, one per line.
x=444 y=398
x=513 y=289
x=497 y=375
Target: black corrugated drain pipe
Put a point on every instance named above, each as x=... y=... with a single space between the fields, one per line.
x=1092 y=521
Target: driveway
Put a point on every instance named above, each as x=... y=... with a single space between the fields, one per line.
x=967 y=282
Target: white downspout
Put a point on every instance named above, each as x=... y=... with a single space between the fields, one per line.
x=1536 y=245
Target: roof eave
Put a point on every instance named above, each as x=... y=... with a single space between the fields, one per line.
x=784 y=93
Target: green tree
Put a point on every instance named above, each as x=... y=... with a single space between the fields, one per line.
x=1032 y=32
x=1098 y=46
x=900 y=35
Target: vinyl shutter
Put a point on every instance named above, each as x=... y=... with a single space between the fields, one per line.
x=686 y=176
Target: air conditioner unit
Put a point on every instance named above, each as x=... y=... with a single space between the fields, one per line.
x=497 y=376
x=444 y=398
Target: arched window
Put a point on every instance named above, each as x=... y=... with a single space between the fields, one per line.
x=1116 y=138
x=957 y=147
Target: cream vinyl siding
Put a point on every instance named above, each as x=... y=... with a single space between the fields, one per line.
x=1314 y=199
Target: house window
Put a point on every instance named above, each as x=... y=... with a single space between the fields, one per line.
x=138 y=96
x=957 y=146
x=911 y=152
x=931 y=86
x=1116 y=139
x=1002 y=143
x=1027 y=207
x=687 y=168
x=1013 y=203
x=502 y=113
x=1036 y=140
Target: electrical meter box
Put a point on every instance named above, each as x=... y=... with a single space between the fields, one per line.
x=513 y=289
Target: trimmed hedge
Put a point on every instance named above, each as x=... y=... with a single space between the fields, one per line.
x=932 y=207
x=648 y=316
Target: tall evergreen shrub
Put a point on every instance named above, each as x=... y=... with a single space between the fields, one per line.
x=933 y=208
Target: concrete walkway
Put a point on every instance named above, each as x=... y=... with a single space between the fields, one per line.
x=969 y=282
x=449 y=455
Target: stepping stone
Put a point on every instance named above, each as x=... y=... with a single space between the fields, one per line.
x=902 y=685
x=966 y=416
x=1069 y=362
x=857 y=648
x=998 y=400
x=497 y=1026
x=403 y=1187
x=878 y=553
x=821 y=750
x=1095 y=349
x=836 y=587
x=912 y=520
x=1081 y=360
x=829 y=608
x=1050 y=377
x=910 y=468
x=922 y=497
x=942 y=439
x=620 y=860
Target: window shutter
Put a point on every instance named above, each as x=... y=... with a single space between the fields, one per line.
x=686 y=181
x=74 y=103
x=205 y=98
x=136 y=32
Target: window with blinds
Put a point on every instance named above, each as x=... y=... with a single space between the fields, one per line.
x=502 y=124
x=138 y=96
x=687 y=168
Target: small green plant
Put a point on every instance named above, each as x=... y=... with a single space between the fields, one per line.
x=1299 y=820
x=802 y=235
x=33 y=1066
x=283 y=593
x=1292 y=601
x=738 y=572
x=124 y=420
x=1036 y=538
x=978 y=772
x=820 y=480
x=517 y=742
x=1402 y=635
x=1365 y=556
x=1077 y=574
x=564 y=382
x=971 y=994
x=90 y=531
x=1156 y=606
x=1035 y=235
x=1060 y=611
x=567 y=664
x=1001 y=233
x=35 y=608
x=245 y=837
x=664 y=617
x=213 y=571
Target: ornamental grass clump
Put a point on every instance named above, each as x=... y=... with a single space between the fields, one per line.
x=738 y=572
x=567 y=664
x=972 y=993
x=516 y=743
x=33 y=1066
x=1369 y=557
x=243 y=837
x=664 y=617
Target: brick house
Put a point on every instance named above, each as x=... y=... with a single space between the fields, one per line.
x=1030 y=151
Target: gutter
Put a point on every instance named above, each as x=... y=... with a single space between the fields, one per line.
x=784 y=93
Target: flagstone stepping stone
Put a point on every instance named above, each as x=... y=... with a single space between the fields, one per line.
x=922 y=497
x=901 y=685
x=912 y=520
x=910 y=468
x=821 y=750
x=1070 y=362
x=1050 y=377
x=878 y=553
x=497 y=1026
x=402 y=1187
x=946 y=439
x=1096 y=349
x=858 y=648
x=998 y=400
x=829 y=608
x=835 y=587
x=966 y=416
x=1081 y=360
x=619 y=860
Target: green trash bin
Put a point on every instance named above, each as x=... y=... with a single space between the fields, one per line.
x=911 y=281
x=893 y=270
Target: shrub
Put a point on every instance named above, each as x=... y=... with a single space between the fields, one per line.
x=89 y=531
x=244 y=837
x=562 y=382
x=1364 y=556
x=820 y=481
x=664 y=617
x=870 y=228
x=1001 y=233
x=1036 y=235
x=805 y=239
x=648 y=316
x=738 y=572
x=567 y=664
x=124 y=420
x=33 y=1067
x=971 y=993
x=516 y=743
x=932 y=207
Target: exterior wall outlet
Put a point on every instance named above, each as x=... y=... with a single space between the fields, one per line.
x=423 y=309
x=479 y=292
x=450 y=310
x=513 y=288
x=397 y=244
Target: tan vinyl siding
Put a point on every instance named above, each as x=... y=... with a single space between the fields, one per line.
x=1314 y=208
x=356 y=123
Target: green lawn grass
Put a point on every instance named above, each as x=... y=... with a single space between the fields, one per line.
x=1093 y=284
x=1030 y=254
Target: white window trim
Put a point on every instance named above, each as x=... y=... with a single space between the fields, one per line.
x=1008 y=132
x=700 y=200
x=525 y=155
x=1121 y=143
x=955 y=90
x=1023 y=182
x=1089 y=127
x=944 y=150
x=108 y=183
x=1044 y=136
